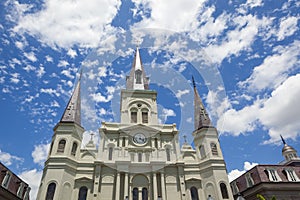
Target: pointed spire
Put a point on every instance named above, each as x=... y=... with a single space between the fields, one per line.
x=201 y=118
x=282 y=139
x=72 y=112
x=137 y=79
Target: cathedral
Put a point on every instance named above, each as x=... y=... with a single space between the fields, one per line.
x=137 y=158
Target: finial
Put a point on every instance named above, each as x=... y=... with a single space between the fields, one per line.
x=92 y=135
x=283 y=141
x=137 y=42
x=194 y=84
x=185 y=139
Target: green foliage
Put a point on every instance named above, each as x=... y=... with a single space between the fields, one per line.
x=261 y=197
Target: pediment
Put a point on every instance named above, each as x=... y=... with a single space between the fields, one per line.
x=88 y=155
x=83 y=179
x=193 y=179
x=140 y=128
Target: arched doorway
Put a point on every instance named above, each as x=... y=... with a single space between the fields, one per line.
x=140 y=187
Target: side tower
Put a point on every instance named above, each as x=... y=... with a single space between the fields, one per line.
x=215 y=181
x=289 y=154
x=60 y=166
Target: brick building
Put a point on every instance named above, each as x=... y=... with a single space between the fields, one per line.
x=281 y=181
x=12 y=187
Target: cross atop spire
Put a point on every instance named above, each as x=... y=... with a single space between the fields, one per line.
x=137 y=79
x=72 y=112
x=282 y=139
x=201 y=118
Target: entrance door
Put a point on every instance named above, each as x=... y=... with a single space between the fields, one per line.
x=135 y=194
x=144 y=194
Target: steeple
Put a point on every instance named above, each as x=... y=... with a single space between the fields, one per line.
x=288 y=152
x=201 y=118
x=137 y=79
x=72 y=112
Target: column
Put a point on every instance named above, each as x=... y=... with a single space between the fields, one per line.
x=126 y=185
x=140 y=193
x=154 y=186
x=163 y=186
x=118 y=186
x=97 y=179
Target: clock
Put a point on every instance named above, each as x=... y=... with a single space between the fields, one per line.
x=139 y=138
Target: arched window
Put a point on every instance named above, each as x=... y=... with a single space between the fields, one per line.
x=202 y=151
x=214 y=149
x=156 y=143
x=82 y=193
x=145 y=116
x=135 y=194
x=110 y=153
x=144 y=194
x=224 y=191
x=123 y=142
x=50 y=191
x=133 y=116
x=194 y=193
x=74 y=149
x=168 y=154
x=138 y=77
x=61 y=146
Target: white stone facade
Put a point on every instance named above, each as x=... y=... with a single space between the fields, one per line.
x=136 y=159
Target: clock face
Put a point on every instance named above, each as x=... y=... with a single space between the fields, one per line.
x=139 y=138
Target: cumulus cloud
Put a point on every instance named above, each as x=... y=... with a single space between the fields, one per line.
x=40 y=153
x=238 y=122
x=280 y=113
x=233 y=174
x=177 y=16
x=8 y=159
x=33 y=178
x=274 y=69
x=240 y=39
x=66 y=23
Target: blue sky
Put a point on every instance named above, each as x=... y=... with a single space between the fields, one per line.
x=244 y=55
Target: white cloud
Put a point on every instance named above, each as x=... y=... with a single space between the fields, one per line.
x=7 y=159
x=280 y=113
x=254 y=3
x=241 y=121
x=65 y=23
x=72 y=53
x=63 y=63
x=233 y=174
x=167 y=113
x=98 y=97
x=49 y=91
x=177 y=16
x=182 y=92
x=239 y=39
x=287 y=27
x=33 y=178
x=40 y=72
x=273 y=71
x=40 y=153
x=67 y=73
x=30 y=56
